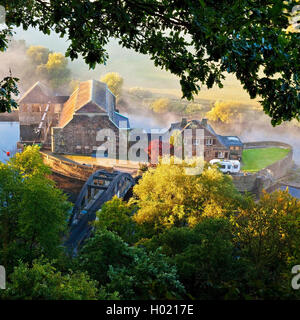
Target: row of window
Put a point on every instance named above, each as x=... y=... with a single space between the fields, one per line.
x=196 y=142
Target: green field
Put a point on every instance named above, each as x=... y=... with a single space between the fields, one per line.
x=257 y=159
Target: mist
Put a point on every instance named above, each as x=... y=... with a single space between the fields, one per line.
x=139 y=71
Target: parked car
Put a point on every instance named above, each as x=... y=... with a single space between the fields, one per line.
x=227 y=166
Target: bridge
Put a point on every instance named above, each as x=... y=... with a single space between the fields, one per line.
x=100 y=187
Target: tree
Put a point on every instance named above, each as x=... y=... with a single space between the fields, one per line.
x=150 y=276
x=42 y=219
x=114 y=82
x=33 y=212
x=102 y=250
x=8 y=85
x=115 y=215
x=205 y=258
x=140 y=93
x=267 y=234
x=42 y=281
x=8 y=91
x=56 y=70
x=193 y=108
x=130 y=271
x=38 y=54
x=29 y=162
x=199 y=43
x=167 y=196
x=226 y=112
x=160 y=105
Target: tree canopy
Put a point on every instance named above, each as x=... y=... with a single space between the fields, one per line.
x=43 y=281
x=167 y=196
x=225 y=111
x=114 y=82
x=33 y=213
x=199 y=41
x=160 y=105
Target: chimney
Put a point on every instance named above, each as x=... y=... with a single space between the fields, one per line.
x=204 y=122
x=183 y=122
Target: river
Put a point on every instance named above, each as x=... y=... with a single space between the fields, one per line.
x=292 y=191
x=9 y=136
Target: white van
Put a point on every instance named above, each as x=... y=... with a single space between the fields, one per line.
x=227 y=166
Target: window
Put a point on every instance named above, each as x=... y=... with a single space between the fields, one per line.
x=226 y=154
x=220 y=154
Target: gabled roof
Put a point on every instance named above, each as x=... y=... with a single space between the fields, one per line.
x=226 y=141
x=32 y=94
x=190 y=123
x=40 y=93
x=229 y=141
x=91 y=91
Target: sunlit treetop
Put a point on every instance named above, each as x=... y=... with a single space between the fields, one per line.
x=200 y=41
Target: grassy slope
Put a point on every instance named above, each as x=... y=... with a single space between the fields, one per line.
x=257 y=159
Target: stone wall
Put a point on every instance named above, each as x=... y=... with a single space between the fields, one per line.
x=79 y=136
x=69 y=169
x=265 y=178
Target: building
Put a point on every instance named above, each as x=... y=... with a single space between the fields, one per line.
x=32 y=107
x=215 y=146
x=90 y=108
x=69 y=125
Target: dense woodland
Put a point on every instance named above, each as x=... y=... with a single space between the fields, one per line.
x=178 y=237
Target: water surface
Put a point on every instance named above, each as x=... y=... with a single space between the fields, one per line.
x=292 y=191
x=9 y=136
